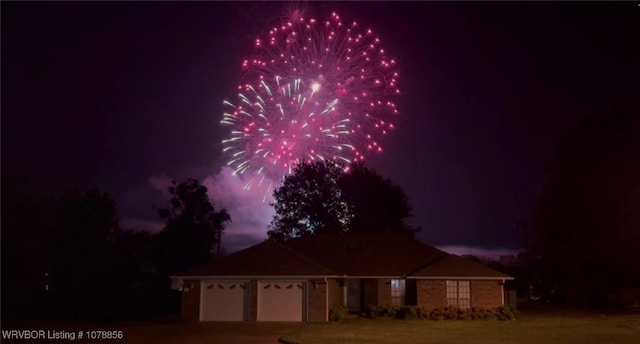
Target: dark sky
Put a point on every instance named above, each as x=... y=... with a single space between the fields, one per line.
x=124 y=96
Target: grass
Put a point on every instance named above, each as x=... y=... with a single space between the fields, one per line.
x=167 y=332
x=216 y=332
x=557 y=326
x=533 y=326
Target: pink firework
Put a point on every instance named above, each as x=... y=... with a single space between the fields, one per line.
x=313 y=90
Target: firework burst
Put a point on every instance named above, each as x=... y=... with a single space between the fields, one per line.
x=313 y=90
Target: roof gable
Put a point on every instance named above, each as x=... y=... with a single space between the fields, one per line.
x=455 y=266
x=268 y=258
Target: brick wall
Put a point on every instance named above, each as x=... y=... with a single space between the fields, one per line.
x=336 y=294
x=486 y=294
x=191 y=301
x=317 y=300
x=431 y=293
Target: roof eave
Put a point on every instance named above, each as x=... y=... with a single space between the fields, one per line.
x=497 y=278
x=256 y=277
x=265 y=277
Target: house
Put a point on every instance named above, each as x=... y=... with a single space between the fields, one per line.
x=303 y=279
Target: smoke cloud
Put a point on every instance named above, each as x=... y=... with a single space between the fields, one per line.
x=248 y=207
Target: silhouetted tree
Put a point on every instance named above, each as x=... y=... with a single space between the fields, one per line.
x=137 y=248
x=310 y=202
x=61 y=252
x=325 y=197
x=86 y=266
x=587 y=221
x=66 y=256
x=27 y=218
x=193 y=228
x=378 y=204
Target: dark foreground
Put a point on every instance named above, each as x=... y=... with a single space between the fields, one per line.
x=533 y=326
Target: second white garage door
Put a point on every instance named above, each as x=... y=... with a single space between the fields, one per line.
x=223 y=301
x=281 y=300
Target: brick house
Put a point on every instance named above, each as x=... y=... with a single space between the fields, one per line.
x=302 y=279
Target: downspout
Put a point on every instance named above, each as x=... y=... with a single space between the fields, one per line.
x=344 y=290
x=326 y=285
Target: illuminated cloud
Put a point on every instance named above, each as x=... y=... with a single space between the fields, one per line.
x=493 y=253
x=160 y=183
x=250 y=215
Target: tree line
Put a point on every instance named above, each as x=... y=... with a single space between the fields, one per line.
x=69 y=253
x=68 y=256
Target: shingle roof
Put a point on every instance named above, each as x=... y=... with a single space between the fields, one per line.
x=367 y=254
x=358 y=255
x=268 y=258
x=455 y=266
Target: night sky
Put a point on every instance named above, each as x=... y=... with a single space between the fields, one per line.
x=127 y=96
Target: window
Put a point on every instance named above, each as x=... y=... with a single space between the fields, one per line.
x=459 y=294
x=397 y=292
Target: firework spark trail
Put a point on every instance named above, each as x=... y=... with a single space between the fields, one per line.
x=314 y=90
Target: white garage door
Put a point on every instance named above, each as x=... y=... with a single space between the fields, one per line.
x=223 y=301
x=280 y=300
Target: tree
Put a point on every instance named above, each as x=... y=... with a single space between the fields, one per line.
x=587 y=220
x=86 y=271
x=378 y=204
x=27 y=218
x=325 y=197
x=193 y=229
x=310 y=202
x=66 y=256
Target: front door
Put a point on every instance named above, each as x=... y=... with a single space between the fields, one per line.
x=354 y=294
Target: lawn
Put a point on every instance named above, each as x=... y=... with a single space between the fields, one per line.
x=216 y=332
x=165 y=332
x=557 y=326
x=533 y=326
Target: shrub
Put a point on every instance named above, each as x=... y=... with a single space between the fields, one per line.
x=464 y=314
x=436 y=314
x=389 y=311
x=372 y=311
x=407 y=313
x=385 y=311
x=477 y=313
x=422 y=313
x=490 y=314
x=505 y=313
x=382 y=311
x=337 y=314
x=451 y=312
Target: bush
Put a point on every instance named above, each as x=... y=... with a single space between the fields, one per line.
x=372 y=311
x=388 y=311
x=436 y=314
x=477 y=313
x=464 y=314
x=382 y=311
x=422 y=313
x=337 y=314
x=451 y=313
x=407 y=313
x=505 y=313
